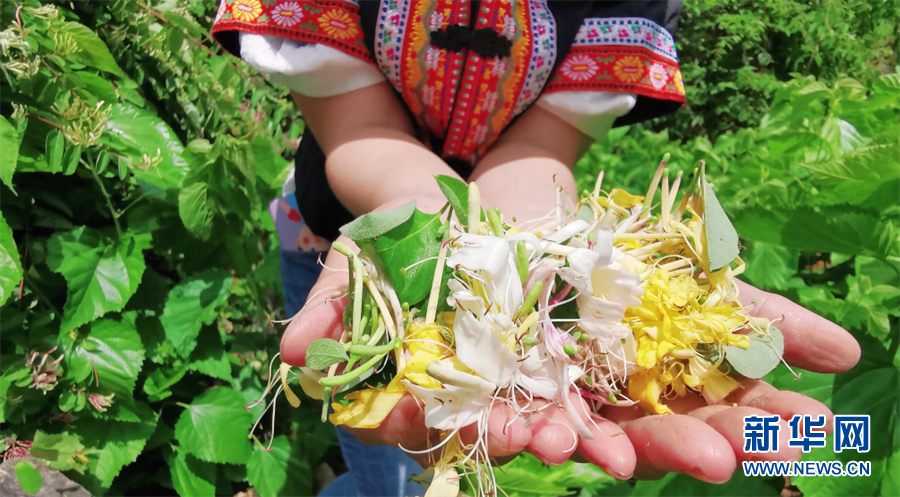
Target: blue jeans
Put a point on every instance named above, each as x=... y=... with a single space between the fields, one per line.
x=379 y=471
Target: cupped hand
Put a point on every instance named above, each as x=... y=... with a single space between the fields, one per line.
x=703 y=441
x=707 y=442
x=547 y=434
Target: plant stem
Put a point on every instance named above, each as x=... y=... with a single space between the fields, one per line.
x=109 y=204
x=370 y=350
x=357 y=299
x=334 y=381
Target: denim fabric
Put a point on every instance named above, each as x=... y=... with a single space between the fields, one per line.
x=379 y=471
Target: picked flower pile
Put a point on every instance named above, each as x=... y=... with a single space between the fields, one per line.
x=626 y=300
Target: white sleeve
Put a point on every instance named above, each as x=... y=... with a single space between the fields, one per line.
x=309 y=69
x=592 y=112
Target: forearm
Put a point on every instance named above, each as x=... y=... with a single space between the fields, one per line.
x=372 y=156
x=520 y=173
x=378 y=167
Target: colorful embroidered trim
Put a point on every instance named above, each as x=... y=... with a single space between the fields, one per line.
x=543 y=27
x=328 y=22
x=389 y=31
x=626 y=31
x=636 y=70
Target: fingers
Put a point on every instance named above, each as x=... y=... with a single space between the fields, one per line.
x=323 y=321
x=320 y=317
x=404 y=425
x=610 y=449
x=682 y=444
x=761 y=395
x=729 y=422
x=810 y=341
x=552 y=439
x=507 y=433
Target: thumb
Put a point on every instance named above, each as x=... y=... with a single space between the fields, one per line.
x=322 y=315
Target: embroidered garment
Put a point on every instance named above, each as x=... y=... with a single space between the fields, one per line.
x=464 y=69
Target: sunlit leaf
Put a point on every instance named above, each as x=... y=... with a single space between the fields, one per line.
x=214 y=427
x=10 y=265
x=111 y=350
x=91 y=49
x=29 y=478
x=192 y=477
x=281 y=471
x=403 y=250
x=9 y=143
x=191 y=304
x=102 y=274
x=763 y=355
x=375 y=224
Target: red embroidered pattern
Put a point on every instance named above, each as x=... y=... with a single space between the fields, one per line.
x=326 y=22
x=621 y=69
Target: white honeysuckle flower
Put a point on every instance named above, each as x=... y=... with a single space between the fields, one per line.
x=452 y=407
x=584 y=261
x=581 y=264
x=529 y=238
x=568 y=231
x=537 y=373
x=479 y=346
x=491 y=256
x=602 y=310
x=462 y=297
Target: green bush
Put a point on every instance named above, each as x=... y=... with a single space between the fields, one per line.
x=735 y=55
x=137 y=225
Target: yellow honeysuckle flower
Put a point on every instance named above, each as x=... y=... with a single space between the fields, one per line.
x=625 y=199
x=677 y=324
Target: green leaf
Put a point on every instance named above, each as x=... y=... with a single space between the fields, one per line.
x=55 y=146
x=141 y=137
x=819 y=386
x=9 y=143
x=191 y=304
x=876 y=393
x=324 y=352
x=29 y=478
x=457 y=193
x=192 y=477
x=214 y=427
x=56 y=449
x=102 y=274
x=673 y=485
x=763 y=355
x=195 y=207
x=890 y=484
x=375 y=224
x=414 y=241
x=95 y=85
x=160 y=379
x=829 y=229
x=721 y=238
x=770 y=267
x=10 y=265
x=281 y=471
x=111 y=348
x=870 y=306
x=70 y=160
x=209 y=357
x=91 y=49
x=117 y=444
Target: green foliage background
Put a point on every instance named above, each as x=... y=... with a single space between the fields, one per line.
x=138 y=160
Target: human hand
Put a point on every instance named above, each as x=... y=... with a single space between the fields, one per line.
x=547 y=435
x=706 y=442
